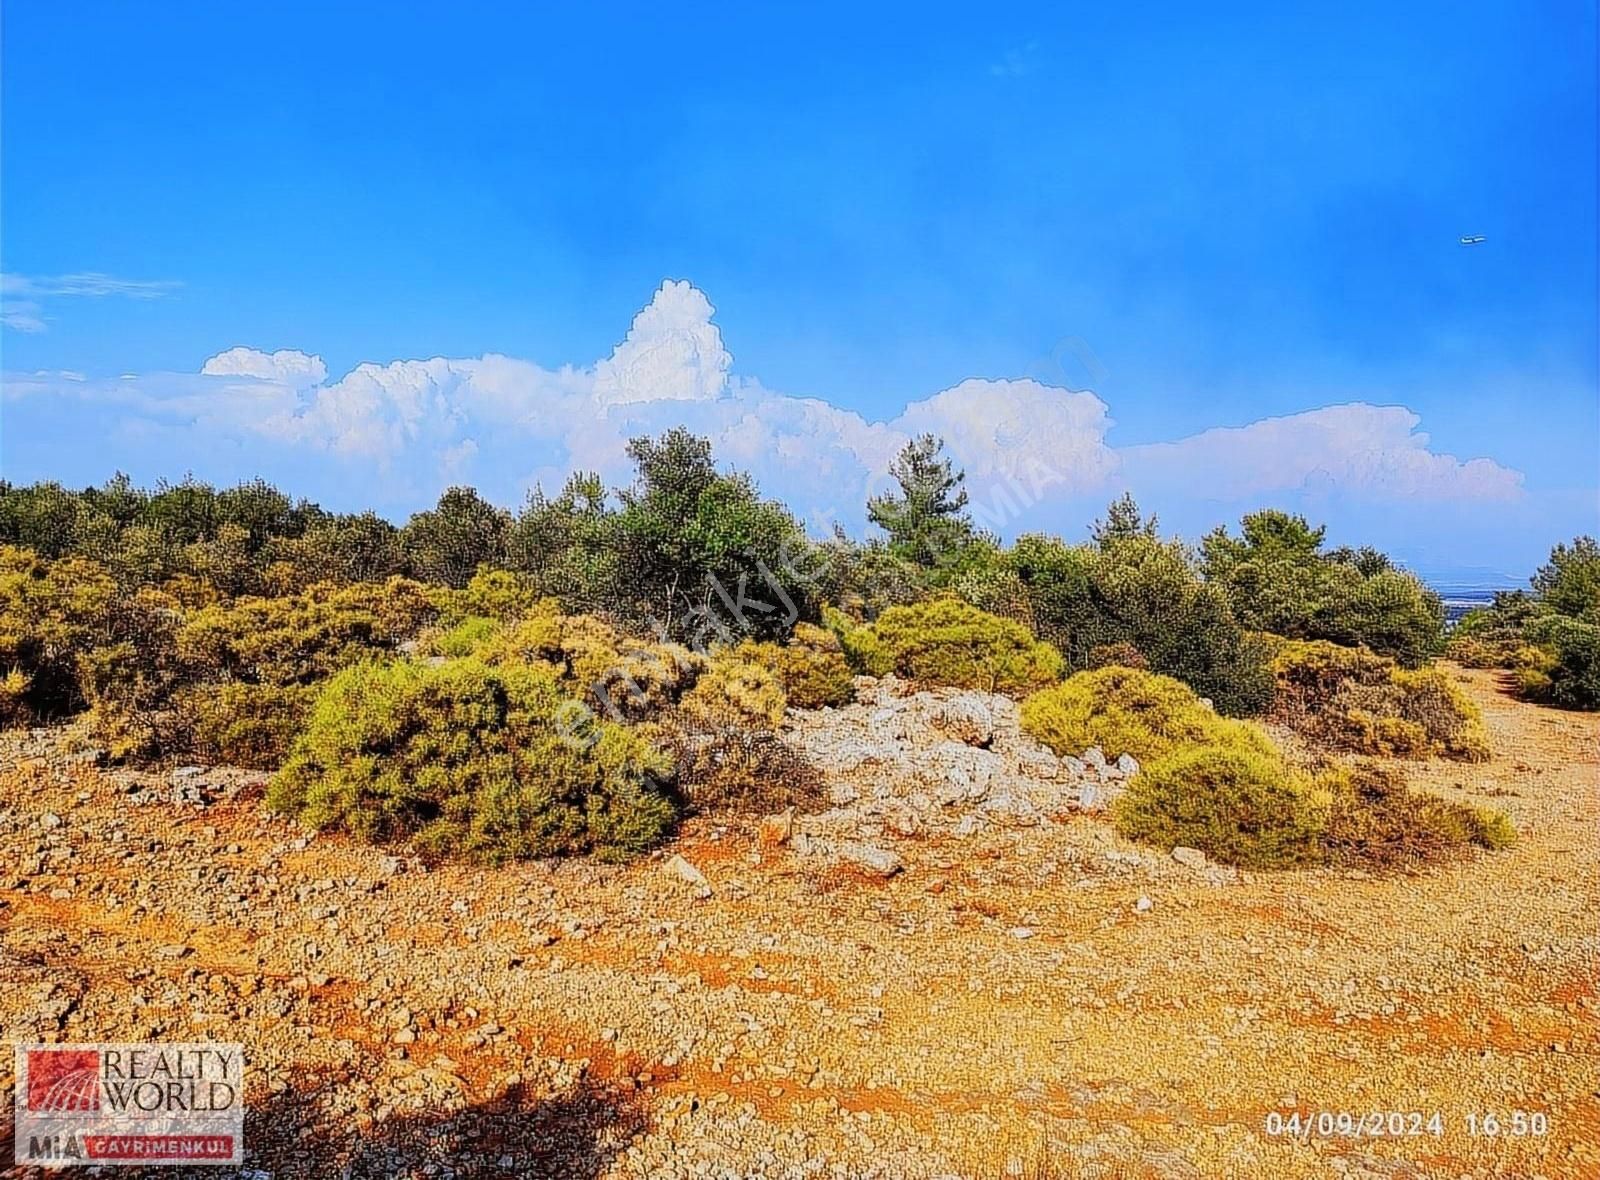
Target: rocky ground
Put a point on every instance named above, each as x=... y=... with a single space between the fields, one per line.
x=956 y=970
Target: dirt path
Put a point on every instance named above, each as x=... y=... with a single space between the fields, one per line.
x=1000 y=1002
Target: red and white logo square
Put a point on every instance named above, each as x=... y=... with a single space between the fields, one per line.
x=63 y=1080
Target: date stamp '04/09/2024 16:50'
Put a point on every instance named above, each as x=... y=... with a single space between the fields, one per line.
x=1404 y=1124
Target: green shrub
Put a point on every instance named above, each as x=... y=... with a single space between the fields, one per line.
x=1280 y=579
x=947 y=641
x=1376 y=820
x=51 y=612
x=1569 y=664
x=1239 y=806
x=471 y=634
x=1127 y=711
x=736 y=691
x=1352 y=699
x=307 y=636
x=472 y=760
x=241 y=724
x=1131 y=588
x=811 y=667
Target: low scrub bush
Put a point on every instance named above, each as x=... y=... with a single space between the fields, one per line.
x=1240 y=806
x=947 y=641
x=501 y=595
x=1568 y=665
x=1128 y=711
x=128 y=679
x=736 y=691
x=471 y=634
x=1117 y=655
x=1352 y=699
x=811 y=667
x=51 y=613
x=472 y=760
x=621 y=678
x=242 y=724
x=738 y=769
x=1375 y=820
x=307 y=636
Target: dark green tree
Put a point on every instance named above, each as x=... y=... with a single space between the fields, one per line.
x=448 y=543
x=927 y=520
x=570 y=544
x=701 y=552
x=1569 y=583
x=1123 y=521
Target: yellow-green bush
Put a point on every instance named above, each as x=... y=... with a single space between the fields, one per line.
x=947 y=641
x=471 y=634
x=472 y=760
x=51 y=612
x=620 y=678
x=501 y=595
x=811 y=667
x=127 y=681
x=242 y=724
x=1351 y=699
x=1472 y=652
x=1376 y=820
x=1239 y=806
x=1128 y=711
x=306 y=636
x=736 y=691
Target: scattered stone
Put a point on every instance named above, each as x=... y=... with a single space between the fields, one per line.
x=1021 y=932
x=1189 y=858
x=776 y=830
x=904 y=822
x=680 y=868
x=172 y=950
x=967 y=719
x=878 y=861
x=1143 y=905
x=1128 y=765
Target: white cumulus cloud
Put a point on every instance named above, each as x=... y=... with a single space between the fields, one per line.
x=673 y=352
x=1360 y=450
x=397 y=432
x=286 y=366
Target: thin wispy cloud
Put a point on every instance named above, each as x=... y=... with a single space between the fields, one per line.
x=24 y=298
x=1017 y=62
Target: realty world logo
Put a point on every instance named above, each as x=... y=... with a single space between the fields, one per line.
x=130 y=1104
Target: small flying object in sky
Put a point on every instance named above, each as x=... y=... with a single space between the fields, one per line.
x=1472 y=239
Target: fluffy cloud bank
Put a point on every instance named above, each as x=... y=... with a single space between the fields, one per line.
x=414 y=425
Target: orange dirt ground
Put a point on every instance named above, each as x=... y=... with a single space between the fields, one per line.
x=588 y=1020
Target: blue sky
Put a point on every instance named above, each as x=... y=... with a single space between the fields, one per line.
x=1243 y=219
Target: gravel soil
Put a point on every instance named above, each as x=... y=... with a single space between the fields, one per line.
x=1031 y=998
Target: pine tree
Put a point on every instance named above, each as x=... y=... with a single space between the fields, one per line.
x=927 y=522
